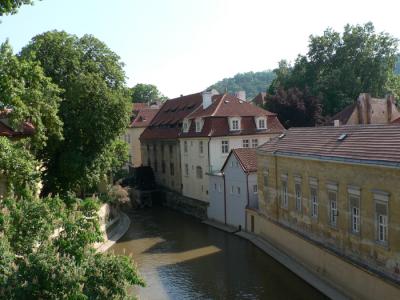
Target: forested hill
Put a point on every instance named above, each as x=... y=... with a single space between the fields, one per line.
x=251 y=82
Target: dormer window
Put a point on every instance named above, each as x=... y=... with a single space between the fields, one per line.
x=234 y=124
x=198 y=124
x=186 y=125
x=261 y=123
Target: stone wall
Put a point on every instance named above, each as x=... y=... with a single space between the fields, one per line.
x=189 y=206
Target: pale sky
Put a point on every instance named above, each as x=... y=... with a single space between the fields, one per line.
x=183 y=46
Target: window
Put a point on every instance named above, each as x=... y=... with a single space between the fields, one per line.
x=148 y=148
x=261 y=123
x=130 y=159
x=232 y=189
x=198 y=125
x=220 y=188
x=254 y=143
x=186 y=170
x=199 y=172
x=162 y=151
x=297 y=191
x=171 y=169
x=333 y=210
x=232 y=163
x=185 y=127
x=171 y=150
x=185 y=148
x=129 y=138
x=255 y=189
x=245 y=143
x=201 y=147
x=235 y=124
x=215 y=186
x=155 y=148
x=314 y=201
x=155 y=166
x=225 y=147
x=354 y=204
x=238 y=190
x=381 y=217
x=163 y=167
x=284 y=194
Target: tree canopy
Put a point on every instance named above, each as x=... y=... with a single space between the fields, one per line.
x=250 y=82
x=94 y=110
x=146 y=93
x=338 y=67
x=11 y=6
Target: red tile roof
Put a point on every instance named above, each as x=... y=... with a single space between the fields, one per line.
x=144 y=117
x=247 y=158
x=216 y=118
x=166 y=123
x=139 y=106
x=396 y=121
x=344 y=115
x=370 y=144
x=7 y=131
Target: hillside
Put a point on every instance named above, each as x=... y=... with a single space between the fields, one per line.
x=251 y=82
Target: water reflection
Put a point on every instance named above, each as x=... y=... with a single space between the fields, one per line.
x=181 y=258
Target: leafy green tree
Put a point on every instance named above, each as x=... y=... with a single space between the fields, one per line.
x=11 y=6
x=95 y=108
x=146 y=93
x=250 y=82
x=338 y=67
x=31 y=96
x=38 y=262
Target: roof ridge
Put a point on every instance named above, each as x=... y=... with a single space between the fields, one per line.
x=218 y=105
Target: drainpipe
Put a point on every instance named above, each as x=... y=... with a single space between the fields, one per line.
x=248 y=201
x=223 y=175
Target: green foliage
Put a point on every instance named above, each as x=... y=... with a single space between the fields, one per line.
x=19 y=167
x=250 y=82
x=397 y=65
x=11 y=6
x=338 y=67
x=95 y=108
x=146 y=93
x=39 y=262
x=31 y=95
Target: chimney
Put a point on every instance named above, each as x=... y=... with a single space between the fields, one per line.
x=336 y=123
x=389 y=103
x=207 y=98
x=241 y=95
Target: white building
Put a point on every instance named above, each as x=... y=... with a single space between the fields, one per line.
x=220 y=124
x=234 y=189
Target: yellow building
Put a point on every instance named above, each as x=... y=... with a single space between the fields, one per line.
x=330 y=198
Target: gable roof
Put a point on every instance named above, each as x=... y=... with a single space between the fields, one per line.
x=376 y=144
x=259 y=99
x=144 y=118
x=227 y=105
x=166 y=123
x=247 y=158
x=7 y=131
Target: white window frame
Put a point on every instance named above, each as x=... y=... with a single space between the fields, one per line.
x=381 y=220
x=199 y=172
x=255 y=189
x=245 y=143
x=201 y=147
x=185 y=147
x=314 y=198
x=238 y=190
x=198 y=125
x=354 y=210
x=298 y=196
x=261 y=121
x=220 y=188
x=254 y=143
x=284 y=192
x=225 y=147
x=186 y=169
x=234 y=124
x=333 y=207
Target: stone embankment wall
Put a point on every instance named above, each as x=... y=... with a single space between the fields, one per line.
x=189 y=206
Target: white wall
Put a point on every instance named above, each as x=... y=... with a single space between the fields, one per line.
x=216 y=209
x=194 y=187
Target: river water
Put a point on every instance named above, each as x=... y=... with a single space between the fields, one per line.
x=181 y=258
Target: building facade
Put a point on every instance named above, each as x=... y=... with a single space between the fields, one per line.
x=234 y=188
x=330 y=197
x=160 y=147
x=220 y=124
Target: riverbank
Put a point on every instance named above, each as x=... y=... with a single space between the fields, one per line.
x=283 y=259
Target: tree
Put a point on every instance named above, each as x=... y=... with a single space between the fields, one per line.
x=338 y=67
x=146 y=93
x=11 y=6
x=250 y=82
x=38 y=264
x=295 y=108
x=30 y=95
x=95 y=108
